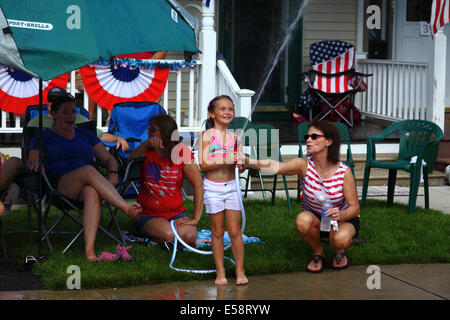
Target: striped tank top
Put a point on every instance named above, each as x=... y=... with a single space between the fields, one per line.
x=217 y=149
x=312 y=185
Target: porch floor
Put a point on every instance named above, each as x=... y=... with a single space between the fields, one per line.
x=358 y=134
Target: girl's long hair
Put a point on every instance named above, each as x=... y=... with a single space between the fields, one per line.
x=210 y=122
x=168 y=129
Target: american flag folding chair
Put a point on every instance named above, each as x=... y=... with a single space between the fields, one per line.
x=332 y=82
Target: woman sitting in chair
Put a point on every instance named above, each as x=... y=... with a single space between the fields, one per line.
x=167 y=162
x=322 y=170
x=68 y=154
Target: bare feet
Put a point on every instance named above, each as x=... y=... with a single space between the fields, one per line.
x=221 y=280
x=92 y=258
x=134 y=212
x=241 y=280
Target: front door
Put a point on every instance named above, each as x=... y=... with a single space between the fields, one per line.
x=250 y=35
x=412 y=41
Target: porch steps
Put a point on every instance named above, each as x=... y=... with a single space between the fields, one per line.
x=378 y=177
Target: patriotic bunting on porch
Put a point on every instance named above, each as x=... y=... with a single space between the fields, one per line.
x=440 y=15
x=206 y=2
x=19 y=90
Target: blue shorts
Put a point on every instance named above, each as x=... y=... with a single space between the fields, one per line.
x=143 y=220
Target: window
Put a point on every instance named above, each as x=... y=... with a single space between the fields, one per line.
x=418 y=10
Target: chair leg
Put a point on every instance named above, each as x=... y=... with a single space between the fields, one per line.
x=298 y=189
x=274 y=189
x=413 y=189
x=425 y=188
x=261 y=183
x=391 y=186
x=287 y=193
x=247 y=181
x=365 y=186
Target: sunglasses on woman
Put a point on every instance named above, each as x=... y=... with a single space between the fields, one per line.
x=313 y=136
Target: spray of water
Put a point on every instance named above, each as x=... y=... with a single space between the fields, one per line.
x=289 y=32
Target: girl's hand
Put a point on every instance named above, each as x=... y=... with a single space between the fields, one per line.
x=122 y=143
x=33 y=164
x=155 y=143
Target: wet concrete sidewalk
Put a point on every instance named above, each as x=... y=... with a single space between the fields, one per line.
x=395 y=282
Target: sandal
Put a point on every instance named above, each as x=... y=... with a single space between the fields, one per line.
x=316 y=259
x=338 y=258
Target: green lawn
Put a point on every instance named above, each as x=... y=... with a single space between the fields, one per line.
x=390 y=236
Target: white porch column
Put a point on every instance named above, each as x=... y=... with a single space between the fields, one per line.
x=439 y=80
x=359 y=54
x=207 y=42
x=245 y=106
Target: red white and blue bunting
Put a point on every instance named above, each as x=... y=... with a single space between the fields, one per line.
x=109 y=82
x=19 y=90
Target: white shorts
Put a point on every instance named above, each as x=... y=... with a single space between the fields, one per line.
x=219 y=196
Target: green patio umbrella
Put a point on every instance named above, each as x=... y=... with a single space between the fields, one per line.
x=47 y=38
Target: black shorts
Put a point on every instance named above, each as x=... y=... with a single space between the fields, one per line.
x=54 y=179
x=353 y=221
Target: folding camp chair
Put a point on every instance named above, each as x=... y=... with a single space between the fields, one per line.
x=52 y=198
x=332 y=82
x=129 y=120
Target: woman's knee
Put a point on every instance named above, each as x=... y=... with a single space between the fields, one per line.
x=89 y=194
x=341 y=239
x=304 y=222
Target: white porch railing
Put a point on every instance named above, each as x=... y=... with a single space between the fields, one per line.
x=227 y=85
x=179 y=100
x=396 y=91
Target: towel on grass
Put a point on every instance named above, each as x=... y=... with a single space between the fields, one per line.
x=203 y=239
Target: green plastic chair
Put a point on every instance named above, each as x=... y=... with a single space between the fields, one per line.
x=263 y=150
x=419 y=138
x=302 y=129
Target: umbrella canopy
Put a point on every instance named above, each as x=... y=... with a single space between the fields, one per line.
x=47 y=38
x=18 y=90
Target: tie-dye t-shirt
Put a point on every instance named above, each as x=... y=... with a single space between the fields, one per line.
x=160 y=184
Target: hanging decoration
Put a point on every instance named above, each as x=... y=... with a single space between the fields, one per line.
x=19 y=90
x=113 y=81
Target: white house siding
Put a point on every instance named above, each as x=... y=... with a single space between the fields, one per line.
x=328 y=20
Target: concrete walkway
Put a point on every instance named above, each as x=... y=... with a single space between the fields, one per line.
x=384 y=282
x=393 y=282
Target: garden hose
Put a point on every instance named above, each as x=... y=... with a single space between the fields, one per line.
x=178 y=238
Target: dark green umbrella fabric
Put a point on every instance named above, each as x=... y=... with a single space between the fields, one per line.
x=56 y=36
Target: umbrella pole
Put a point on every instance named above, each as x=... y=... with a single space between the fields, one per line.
x=39 y=213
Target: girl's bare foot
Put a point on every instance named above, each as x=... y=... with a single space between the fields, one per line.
x=221 y=281
x=241 y=278
x=91 y=258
